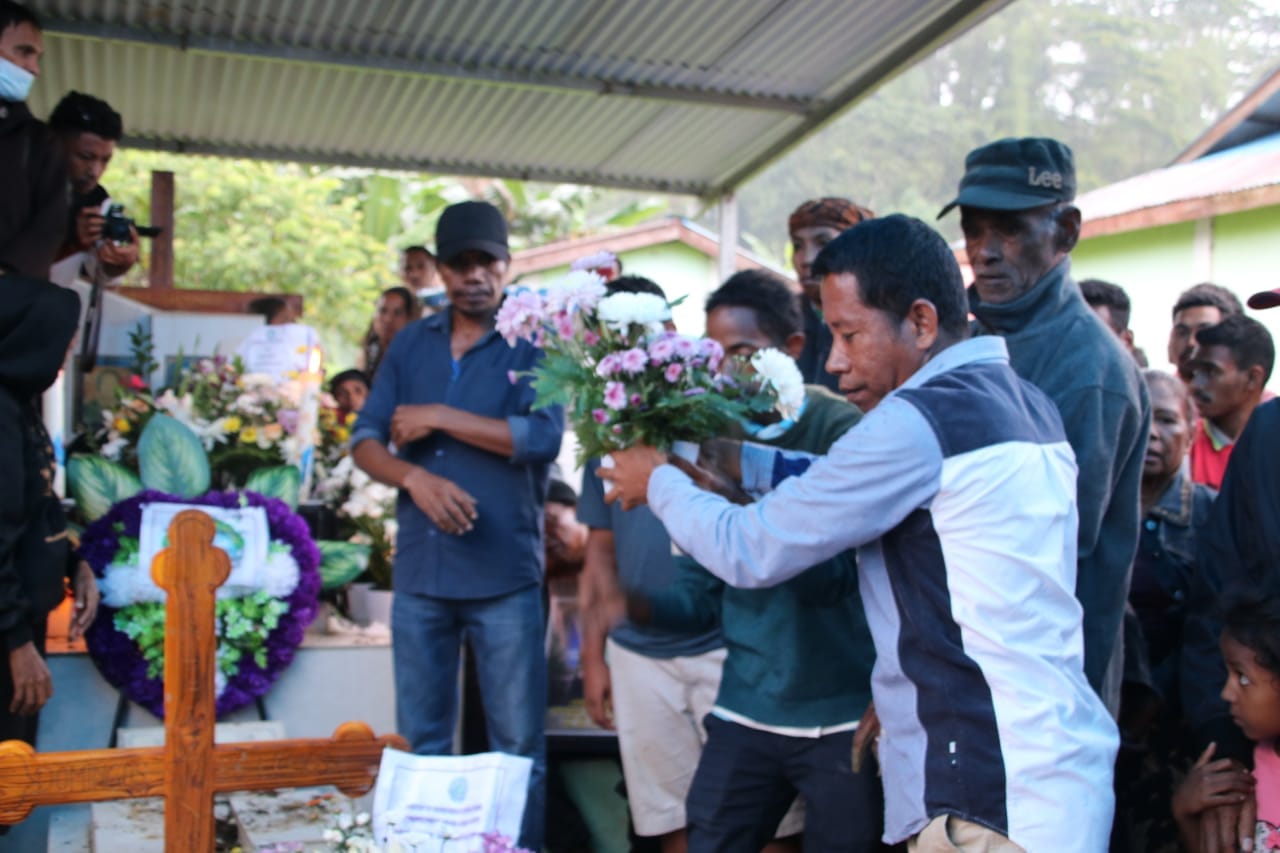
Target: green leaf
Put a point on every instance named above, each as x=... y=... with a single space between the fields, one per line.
x=172 y=459
x=281 y=481
x=97 y=484
x=341 y=562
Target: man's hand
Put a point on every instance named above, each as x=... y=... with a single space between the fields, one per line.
x=443 y=501
x=410 y=423
x=597 y=691
x=712 y=480
x=867 y=735
x=88 y=227
x=84 y=587
x=32 y=683
x=117 y=260
x=629 y=476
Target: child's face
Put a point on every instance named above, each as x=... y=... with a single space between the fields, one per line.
x=351 y=395
x=1252 y=691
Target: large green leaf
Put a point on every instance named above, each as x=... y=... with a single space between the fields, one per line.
x=172 y=459
x=279 y=481
x=341 y=562
x=97 y=483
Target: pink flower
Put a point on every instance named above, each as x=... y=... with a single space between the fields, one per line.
x=634 y=360
x=512 y=378
x=607 y=366
x=673 y=371
x=520 y=314
x=712 y=351
x=636 y=399
x=615 y=395
x=686 y=348
x=564 y=326
x=590 y=338
x=136 y=382
x=663 y=349
x=600 y=415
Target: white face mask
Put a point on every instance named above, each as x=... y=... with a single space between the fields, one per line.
x=15 y=81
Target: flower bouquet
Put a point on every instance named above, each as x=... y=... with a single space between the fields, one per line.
x=244 y=421
x=366 y=509
x=624 y=378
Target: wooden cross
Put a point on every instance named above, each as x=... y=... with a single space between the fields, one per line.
x=189 y=769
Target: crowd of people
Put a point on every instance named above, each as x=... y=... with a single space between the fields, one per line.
x=994 y=587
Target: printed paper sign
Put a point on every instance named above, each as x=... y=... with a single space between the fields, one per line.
x=431 y=800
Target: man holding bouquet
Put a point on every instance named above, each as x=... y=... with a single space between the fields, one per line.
x=958 y=489
x=447 y=424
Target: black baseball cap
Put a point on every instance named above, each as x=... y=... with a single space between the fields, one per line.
x=471 y=225
x=1265 y=299
x=1016 y=174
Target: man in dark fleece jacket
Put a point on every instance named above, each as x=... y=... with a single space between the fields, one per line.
x=33 y=203
x=1019 y=228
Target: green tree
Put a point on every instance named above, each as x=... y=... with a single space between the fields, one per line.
x=245 y=225
x=1127 y=83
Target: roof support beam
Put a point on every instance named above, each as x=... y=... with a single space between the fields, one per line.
x=423 y=68
x=419 y=164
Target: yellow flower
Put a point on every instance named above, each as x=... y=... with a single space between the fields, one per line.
x=351 y=419
x=231 y=424
x=122 y=425
x=342 y=434
x=249 y=435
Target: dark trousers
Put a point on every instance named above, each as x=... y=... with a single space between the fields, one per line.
x=747 y=779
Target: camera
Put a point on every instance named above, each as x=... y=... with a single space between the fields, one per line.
x=115 y=226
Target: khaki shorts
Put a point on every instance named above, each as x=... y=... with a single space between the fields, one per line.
x=658 y=706
x=948 y=833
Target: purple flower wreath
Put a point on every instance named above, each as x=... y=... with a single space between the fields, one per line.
x=118 y=657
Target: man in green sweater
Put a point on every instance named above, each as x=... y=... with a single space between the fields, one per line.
x=797 y=676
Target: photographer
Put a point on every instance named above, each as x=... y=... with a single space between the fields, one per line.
x=33 y=201
x=88 y=130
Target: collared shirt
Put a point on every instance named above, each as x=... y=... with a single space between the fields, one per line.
x=504 y=551
x=958 y=490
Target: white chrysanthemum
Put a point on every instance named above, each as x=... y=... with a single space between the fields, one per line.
x=279 y=577
x=623 y=309
x=779 y=372
x=115 y=444
x=579 y=290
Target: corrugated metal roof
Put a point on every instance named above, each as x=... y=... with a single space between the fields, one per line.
x=1245 y=167
x=677 y=95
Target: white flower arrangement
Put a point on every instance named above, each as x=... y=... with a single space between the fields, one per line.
x=778 y=371
x=621 y=310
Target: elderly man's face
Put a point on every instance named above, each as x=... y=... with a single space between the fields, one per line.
x=871 y=352
x=1009 y=250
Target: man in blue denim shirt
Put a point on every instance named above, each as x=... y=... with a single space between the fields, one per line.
x=471 y=460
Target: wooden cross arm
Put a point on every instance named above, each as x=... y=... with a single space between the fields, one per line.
x=348 y=760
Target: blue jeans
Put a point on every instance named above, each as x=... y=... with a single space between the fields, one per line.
x=506 y=634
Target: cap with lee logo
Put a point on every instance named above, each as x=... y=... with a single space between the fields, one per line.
x=1016 y=174
x=471 y=225
x=1265 y=299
